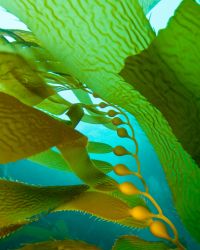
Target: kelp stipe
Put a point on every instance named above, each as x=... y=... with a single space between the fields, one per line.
x=139 y=213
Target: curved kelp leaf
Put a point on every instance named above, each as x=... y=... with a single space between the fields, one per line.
x=54 y=160
x=103 y=206
x=103 y=165
x=53 y=106
x=127 y=242
x=169 y=79
x=26 y=131
x=82 y=96
x=21 y=35
x=7 y=230
x=96 y=119
x=99 y=147
x=126 y=32
x=79 y=161
x=59 y=244
x=19 y=79
x=19 y=201
x=75 y=114
x=51 y=159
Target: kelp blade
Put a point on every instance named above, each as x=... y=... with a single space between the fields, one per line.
x=169 y=79
x=7 y=230
x=51 y=159
x=60 y=244
x=99 y=147
x=18 y=78
x=104 y=206
x=19 y=201
x=26 y=131
x=81 y=164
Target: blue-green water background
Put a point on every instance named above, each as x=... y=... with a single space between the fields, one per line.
x=81 y=226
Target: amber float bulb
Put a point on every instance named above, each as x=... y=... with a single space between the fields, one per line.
x=121 y=169
x=140 y=213
x=112 y=113
x=120 y=151
x=128 y=188
x=122 y=132
x=117 y=121
x=159 y=230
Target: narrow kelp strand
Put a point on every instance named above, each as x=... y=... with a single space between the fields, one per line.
x=140 y=213
x=156 y=227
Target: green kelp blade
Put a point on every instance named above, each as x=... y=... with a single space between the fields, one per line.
x=96 y=119
x=26 y=131
x=82 y=96
x=170 y=79
x=52 y=107
x=168 y=75
x=7 y=230
x=85 y=53
x=19 y=79
x=21 y=35
x=51 y=159
x=99 y=119
x=82 y=58
x=99 y=147
x=104 y=166
x=128 y=242
x=19 y=201
x=75 y=114
x=93 y=110
x=59 y=244
x=81 y=164
x=104 y=206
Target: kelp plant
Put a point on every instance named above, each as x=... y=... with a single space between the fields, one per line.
x=106 y=49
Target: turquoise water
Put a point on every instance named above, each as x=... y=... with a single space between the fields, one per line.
x=85 y=227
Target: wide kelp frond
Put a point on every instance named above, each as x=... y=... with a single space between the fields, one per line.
x=100 y=46
x=78 y=159
x=105 y=206
x=19 y=79
x=19 y=201
x=60 y=244
x=167 y=74
x=7 y=230
x=51 y=159
x=26 y=131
